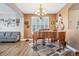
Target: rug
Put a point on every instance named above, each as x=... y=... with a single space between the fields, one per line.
x=51 y=49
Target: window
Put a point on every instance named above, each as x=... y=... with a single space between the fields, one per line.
x=38 y=23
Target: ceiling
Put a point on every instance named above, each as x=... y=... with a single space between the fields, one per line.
x=30 y=8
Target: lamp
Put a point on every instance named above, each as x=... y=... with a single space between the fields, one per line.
x=40 y=12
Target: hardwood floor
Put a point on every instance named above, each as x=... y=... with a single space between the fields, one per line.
x=21 y=48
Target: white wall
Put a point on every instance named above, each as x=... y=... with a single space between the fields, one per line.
x=64 y=13
x=6 y=12
x=73 y=31
x=11 y=11
x=73 y=18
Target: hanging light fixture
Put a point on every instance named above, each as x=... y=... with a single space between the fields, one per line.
x=40 y=12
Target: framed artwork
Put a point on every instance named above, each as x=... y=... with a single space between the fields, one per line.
x=27 y=24
x=17 y=22
x=10 y=22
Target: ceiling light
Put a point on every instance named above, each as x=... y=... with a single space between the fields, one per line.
x=40 y=12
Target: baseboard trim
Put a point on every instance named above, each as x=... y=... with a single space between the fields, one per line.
x=9 y=41
x=26 y=39
x=73 y=49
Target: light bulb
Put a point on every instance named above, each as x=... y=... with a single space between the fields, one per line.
x=45 y=13
x=42 y=14
x=36 y=12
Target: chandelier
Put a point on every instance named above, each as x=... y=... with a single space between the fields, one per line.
x=40 y=12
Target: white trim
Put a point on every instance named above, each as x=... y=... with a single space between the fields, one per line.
x=23 y=39
x=73 y=49
x=26 y=39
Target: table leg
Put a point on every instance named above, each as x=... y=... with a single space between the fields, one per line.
x=43 y=42
x=51 y=45
x=51 y=40
x=35 y=46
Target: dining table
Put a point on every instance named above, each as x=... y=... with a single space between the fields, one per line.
x=44 y=34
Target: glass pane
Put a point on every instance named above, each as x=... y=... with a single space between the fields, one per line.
x=38 y=24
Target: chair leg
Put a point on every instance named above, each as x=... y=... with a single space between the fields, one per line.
x=64 y=45
x=33 y=43
x=36 y=44
x=48 y=40
x=43 y=42
x=59 y=49
x=51 y=40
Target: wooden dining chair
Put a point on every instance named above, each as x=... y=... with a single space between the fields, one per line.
x=61 y=38
x=77 y=53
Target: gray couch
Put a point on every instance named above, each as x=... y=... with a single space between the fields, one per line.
x=9 y=36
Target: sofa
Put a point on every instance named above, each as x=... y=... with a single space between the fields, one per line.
x=9 y=36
